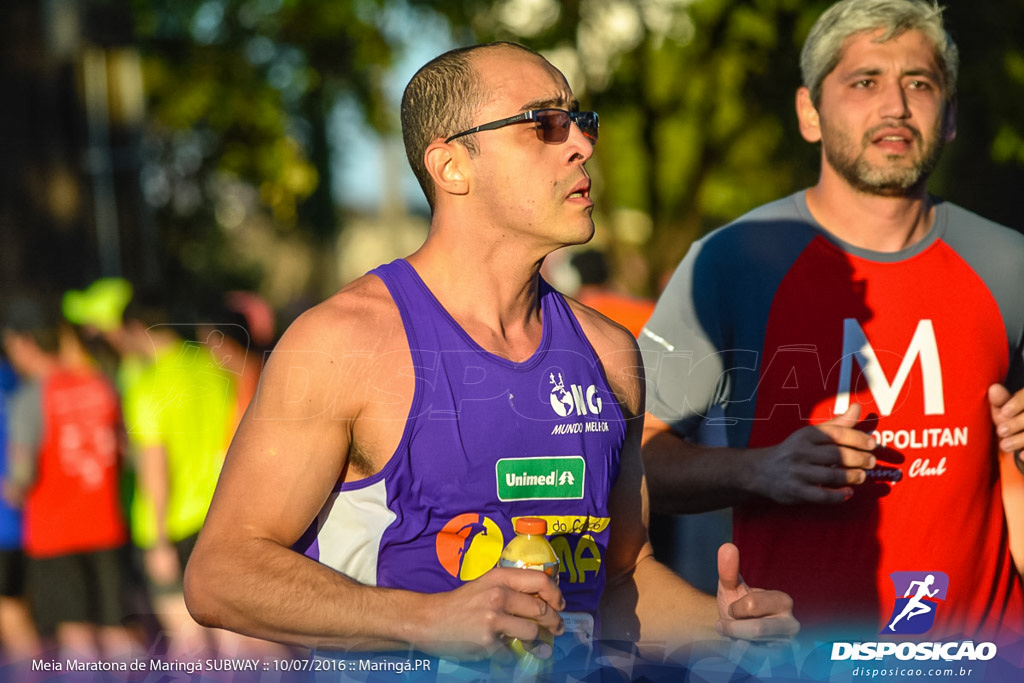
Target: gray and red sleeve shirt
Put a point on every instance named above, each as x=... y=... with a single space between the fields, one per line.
x=771 y=324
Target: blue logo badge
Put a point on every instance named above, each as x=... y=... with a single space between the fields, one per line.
x=917 y=599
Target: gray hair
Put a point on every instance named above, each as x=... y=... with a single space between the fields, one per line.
x=824 y=45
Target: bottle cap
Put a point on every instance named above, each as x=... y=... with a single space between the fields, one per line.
x=532 y=525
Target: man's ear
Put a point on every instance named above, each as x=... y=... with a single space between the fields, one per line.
x=807 y=116
x=448 y=165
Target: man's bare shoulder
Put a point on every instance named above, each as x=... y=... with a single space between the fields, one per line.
x=334 y=358
x=362 y=316
x=605 y=334
x=617 y=349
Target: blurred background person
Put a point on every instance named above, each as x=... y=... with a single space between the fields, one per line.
x=184 y=388
x=597 y=290
x=179 y=409
x=227 y=333
x=63 y=470
x=97 y=311
x=18 y=637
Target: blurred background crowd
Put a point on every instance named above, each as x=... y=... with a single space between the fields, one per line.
x=181 y=178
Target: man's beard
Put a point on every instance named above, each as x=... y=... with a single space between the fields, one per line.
x=882 y=180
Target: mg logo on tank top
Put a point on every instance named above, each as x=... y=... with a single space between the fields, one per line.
x=574 y=399
x=922 y=348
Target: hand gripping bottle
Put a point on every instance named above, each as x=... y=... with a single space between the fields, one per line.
x=529 y=549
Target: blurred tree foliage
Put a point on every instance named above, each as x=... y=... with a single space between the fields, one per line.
x=695 y=97
x=239 y=96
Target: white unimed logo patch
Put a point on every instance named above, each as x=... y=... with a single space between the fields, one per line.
x=574 y=399
x=953 y=651
x=923 y=348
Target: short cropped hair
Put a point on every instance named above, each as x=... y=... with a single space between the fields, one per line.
x=440 y=101
x=823 y=48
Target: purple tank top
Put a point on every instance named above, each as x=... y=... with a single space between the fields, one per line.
x=487 y=440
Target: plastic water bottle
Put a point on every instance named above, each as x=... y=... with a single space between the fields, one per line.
x=529 y=549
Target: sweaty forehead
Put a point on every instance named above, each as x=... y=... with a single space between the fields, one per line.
x=513 y=80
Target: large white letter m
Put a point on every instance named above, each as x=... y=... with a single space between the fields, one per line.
x=856 y=345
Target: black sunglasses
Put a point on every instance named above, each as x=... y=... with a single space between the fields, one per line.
x=552 y=124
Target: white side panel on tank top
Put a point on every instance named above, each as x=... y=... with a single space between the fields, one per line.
x=352 y=524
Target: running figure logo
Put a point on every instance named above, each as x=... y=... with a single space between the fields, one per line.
x=917 y=599
x=469 y=545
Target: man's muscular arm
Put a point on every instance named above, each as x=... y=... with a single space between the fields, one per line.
x=815 y=464
x=291 y=448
